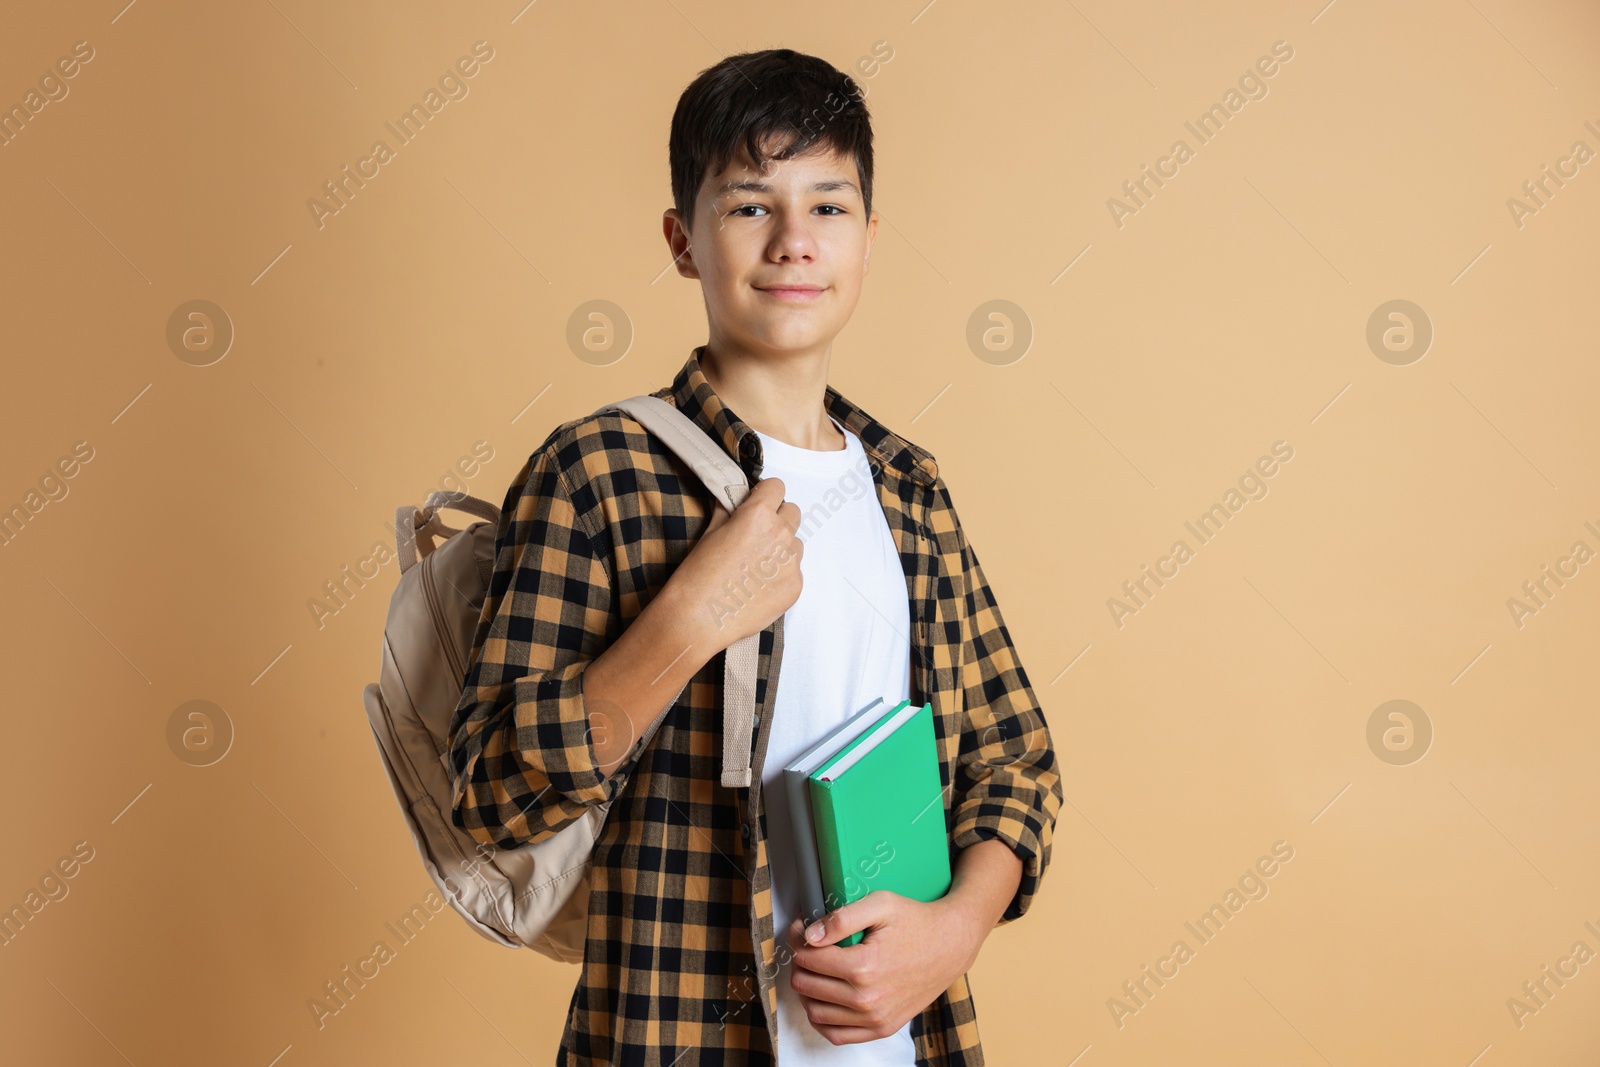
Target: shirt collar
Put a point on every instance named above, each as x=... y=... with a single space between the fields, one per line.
x=692 y=394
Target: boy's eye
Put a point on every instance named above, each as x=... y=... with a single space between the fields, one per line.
x=758 y=207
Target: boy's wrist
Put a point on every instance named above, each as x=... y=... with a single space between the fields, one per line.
x=985 y=881
x=688 y=618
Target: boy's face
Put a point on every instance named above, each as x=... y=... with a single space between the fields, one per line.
x=800 y=223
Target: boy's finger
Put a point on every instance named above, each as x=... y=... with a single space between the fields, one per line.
x=858 y=915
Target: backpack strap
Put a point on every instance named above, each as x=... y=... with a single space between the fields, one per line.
x=729 y=485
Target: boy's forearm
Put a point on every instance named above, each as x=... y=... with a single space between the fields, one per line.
x=633 y=681
x=982 y=883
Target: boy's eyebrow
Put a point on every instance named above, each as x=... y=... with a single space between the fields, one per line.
x=748 y=185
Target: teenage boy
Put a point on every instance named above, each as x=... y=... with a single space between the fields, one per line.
x=596 y=673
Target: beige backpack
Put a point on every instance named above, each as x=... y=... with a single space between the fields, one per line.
x=535 y=896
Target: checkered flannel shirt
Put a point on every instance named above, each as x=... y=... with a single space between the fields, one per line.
x=681 y=962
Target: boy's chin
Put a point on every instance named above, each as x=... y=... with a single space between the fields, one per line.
x=779 y=342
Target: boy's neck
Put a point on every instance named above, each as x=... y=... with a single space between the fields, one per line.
x=782 y=396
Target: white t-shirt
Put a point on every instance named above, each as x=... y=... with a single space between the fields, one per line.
x=846 y=640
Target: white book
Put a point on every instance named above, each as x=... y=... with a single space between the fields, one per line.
x=805 y=829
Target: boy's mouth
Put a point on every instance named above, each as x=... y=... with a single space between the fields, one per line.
x=798 y=294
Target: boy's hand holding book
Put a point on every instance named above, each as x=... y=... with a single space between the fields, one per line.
x=915 y=950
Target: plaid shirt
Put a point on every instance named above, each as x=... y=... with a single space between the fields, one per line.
x=680 y=940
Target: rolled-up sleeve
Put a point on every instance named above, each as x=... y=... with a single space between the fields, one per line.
x=1007 y=783
x=521 y=749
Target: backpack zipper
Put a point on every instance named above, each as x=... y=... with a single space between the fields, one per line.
x=440 y=623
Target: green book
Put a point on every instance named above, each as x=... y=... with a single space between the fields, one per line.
x=878 y=808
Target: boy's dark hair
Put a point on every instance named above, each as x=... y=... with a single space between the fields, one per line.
x=742 y=100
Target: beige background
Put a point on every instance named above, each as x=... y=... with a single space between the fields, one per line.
x=1229 y=313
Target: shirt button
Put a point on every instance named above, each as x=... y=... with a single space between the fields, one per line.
x=744 y=832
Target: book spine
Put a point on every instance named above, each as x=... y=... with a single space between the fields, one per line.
x=805 y=843
x=830 y=851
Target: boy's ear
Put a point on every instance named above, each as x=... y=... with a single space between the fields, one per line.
x=872 y=236
x=678 y=243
